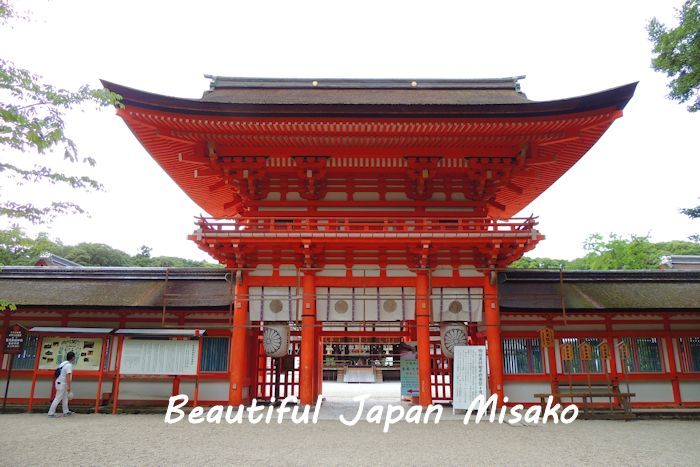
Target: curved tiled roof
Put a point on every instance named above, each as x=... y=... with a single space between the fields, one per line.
x=519 y=290
x=115 y=287
x=536 y=290
x=364 y=92
x=247 y=99
x=366 y=118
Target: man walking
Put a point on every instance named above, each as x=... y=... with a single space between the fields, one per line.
x=63 y=386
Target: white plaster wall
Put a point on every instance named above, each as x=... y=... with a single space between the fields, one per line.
x=396 y=196
x=213 y=391
x=649 y=391
x=469 y=271
x=365 y=270
x=288 y=270
x=335 y=270
x=397 y=270
x=365 y=196
x=145 y=390
x=261 y=270
x=18 y=387
x=128 y=390
x=336 y=196
x=523 y=391
x=442 y=271
x=690 y=391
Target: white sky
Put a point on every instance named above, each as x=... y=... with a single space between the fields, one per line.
x=633 y=181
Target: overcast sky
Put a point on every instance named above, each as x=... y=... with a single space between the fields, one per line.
x=633 y=181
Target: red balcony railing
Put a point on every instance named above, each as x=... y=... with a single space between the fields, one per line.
x=336 y=227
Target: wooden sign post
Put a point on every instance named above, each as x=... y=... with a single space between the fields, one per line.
x=567 y=355
x=585 y=351
x=604 y=352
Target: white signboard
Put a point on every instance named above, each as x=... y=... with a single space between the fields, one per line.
x=159 y=357
x=469 y=375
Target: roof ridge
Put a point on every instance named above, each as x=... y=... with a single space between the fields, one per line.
x=228 y=82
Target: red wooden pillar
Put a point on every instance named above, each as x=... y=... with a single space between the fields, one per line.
x=117 y=374
x=493 y=336
x=100 y=376
x=253 y=362
x=34 y=375
x=672 y=369
x=318 y=359
x=425 y=396
x=239 y=350
x=307 y=380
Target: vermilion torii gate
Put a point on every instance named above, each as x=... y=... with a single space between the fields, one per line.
x=365 y=207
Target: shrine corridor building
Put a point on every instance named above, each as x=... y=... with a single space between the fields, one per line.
x=351 y=216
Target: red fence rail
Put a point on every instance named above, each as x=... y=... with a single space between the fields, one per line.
x=425 y=225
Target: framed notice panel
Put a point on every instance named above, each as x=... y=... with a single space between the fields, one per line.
x=469 y=375
x=409 y=377
x=88 y=352
x=159 y=357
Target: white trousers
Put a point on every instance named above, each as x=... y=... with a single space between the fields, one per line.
x=61 y=396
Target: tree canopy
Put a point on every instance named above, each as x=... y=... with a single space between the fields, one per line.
x=615 y=252
x=32 y=122
x=18 y=249
x=677 y=53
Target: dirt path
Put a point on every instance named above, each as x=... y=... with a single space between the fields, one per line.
x=145 y=439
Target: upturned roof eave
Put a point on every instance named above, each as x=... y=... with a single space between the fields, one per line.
x=612 y=98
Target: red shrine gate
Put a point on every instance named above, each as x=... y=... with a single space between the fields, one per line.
x=364 y=208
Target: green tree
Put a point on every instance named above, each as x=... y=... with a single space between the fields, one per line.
x=97 y=254
x=32 y=122
x=539 y=263
x=693 y=213
x=19 y=249
x=678 y=53
x=615 y=252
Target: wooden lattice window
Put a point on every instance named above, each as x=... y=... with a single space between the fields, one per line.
x=689 y=352
x=595 y=365
x=522 y=356
x=215 y=354
x=644 y=355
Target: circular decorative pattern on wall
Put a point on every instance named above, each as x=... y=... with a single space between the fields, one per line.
x=276 y=305
x=341 y=306
x=390 y=305
x=455 y=307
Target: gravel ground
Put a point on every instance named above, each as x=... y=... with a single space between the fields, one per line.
x=145 y=439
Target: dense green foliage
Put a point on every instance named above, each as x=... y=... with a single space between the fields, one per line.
x=18 y=249
x=615 y=253
x=693 y=213
x=32 y=124
x=678 y=53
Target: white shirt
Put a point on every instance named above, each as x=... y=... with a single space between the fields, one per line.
x=66 y=368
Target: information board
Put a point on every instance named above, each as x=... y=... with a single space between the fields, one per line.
x=159 y=357
x=409 y=378
x=14 y=340
x=469 y=375
x=88 y=352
